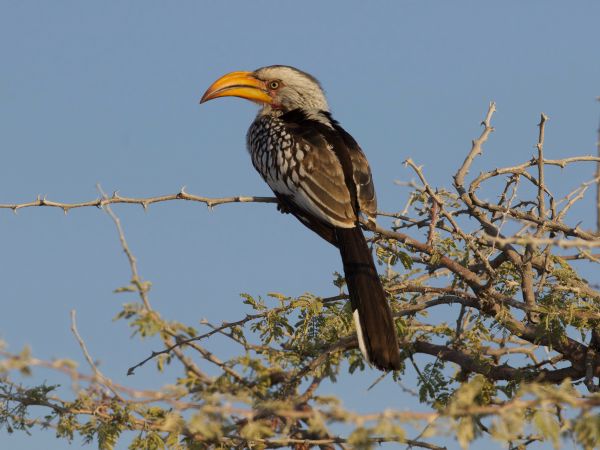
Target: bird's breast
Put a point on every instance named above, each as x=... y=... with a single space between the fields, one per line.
x=275 y=155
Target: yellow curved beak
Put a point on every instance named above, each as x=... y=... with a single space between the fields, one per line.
x=238 y=84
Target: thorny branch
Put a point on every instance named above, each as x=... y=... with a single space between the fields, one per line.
x=598 y=181
x=116 y=198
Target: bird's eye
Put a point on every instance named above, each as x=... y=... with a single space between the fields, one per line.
x=273 y=84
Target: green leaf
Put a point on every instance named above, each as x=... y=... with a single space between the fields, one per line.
x=547 y=425
x=587 y=430
x=465 y=431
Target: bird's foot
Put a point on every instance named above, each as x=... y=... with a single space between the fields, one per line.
x=282 y=208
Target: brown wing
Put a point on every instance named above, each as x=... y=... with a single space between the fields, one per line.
x=320 y=187
x=322 y=181
x=361 y=174
x=327 y=174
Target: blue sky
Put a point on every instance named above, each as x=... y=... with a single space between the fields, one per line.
x=107 y=92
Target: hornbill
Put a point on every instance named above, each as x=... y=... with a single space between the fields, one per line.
x=320 y=175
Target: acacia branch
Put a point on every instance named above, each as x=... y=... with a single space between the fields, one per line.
x=116 y=198
x=482 y=365
x=598 y=181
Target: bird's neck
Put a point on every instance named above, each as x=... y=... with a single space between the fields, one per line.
x=317 y=115
x=269 y=111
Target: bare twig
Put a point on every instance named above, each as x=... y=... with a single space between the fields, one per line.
x=527 y=275
x=476 y=148
x=562 y=243
x=540 y=162
x=116 y=198
x=598 y=182
x=99 y=375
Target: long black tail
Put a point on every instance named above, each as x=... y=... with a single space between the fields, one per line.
x=372 y=314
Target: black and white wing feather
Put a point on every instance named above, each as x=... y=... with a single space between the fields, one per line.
x=315 y=165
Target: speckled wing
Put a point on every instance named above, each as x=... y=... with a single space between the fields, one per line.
x=354 y=164
x=322 y=183
x=315 y=164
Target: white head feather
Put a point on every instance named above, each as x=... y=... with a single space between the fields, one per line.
x=298 y=90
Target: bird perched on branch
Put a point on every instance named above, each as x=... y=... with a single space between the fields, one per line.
x=320 y=175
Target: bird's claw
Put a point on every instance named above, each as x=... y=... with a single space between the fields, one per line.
x=282 y=208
